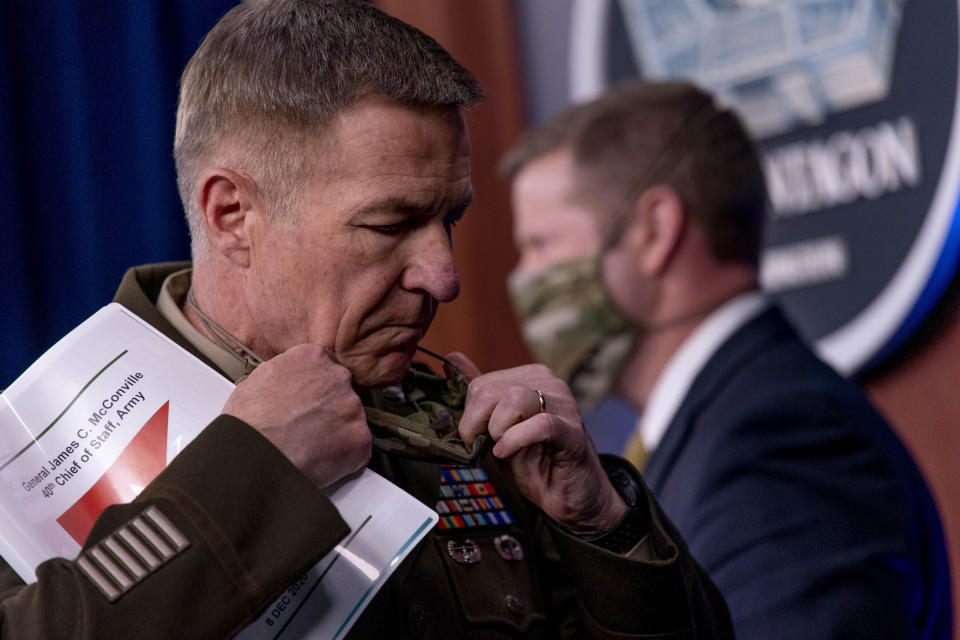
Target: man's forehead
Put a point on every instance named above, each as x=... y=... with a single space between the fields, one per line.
x=547 y=176
x=545 y=201
x=382 y=127
x=543 y=185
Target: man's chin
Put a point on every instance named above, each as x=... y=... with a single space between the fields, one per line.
x=387 y=370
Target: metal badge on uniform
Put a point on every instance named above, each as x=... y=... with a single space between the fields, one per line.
x=464 y=551
x=508 y=547
x=467 y=499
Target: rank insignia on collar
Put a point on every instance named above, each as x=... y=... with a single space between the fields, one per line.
x=467 y=499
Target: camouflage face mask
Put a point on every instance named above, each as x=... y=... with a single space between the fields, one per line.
x=572 y=326
x=419 y=418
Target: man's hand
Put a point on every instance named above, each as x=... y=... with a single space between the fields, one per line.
x=551 y=457
x=303 y=402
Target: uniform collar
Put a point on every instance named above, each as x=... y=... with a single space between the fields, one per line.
x=170 y=302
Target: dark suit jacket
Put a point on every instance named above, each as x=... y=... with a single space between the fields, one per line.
x=797 y=498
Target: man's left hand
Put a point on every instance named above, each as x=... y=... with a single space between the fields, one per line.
x=551 y=457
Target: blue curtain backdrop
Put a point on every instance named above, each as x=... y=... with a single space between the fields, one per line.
x=87 y=100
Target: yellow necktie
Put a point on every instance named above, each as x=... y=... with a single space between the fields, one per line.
x=635 y=452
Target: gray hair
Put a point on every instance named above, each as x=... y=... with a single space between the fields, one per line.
x=272 y=74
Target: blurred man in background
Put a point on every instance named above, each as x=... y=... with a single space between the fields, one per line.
x=638 y=218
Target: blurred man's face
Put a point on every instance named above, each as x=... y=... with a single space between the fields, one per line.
x=559 y=287
x=365 y=264
x=549 y=227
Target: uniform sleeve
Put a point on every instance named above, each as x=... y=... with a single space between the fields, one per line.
x=213 y=539
x=655 y=589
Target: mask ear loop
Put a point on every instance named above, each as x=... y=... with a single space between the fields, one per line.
x=676 y=149
x=458 y=378
x=673 y=152
x=663 y=165
x=224 y=339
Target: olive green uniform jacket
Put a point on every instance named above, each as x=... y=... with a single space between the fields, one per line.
x=254 y=524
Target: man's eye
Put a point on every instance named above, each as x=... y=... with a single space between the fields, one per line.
x=390 y=229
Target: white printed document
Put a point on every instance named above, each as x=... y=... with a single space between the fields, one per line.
x=101 y=413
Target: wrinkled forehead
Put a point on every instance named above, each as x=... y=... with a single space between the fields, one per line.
x=379 y=130
x=383 y=157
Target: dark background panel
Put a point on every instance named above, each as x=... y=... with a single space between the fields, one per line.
x=87 y=101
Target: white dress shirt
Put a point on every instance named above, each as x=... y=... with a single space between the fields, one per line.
x=689 y=360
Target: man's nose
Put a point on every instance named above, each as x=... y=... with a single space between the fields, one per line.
x=432 y=267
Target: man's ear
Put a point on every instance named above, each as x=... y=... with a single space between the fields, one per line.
x=230 y=203
x=655 y=229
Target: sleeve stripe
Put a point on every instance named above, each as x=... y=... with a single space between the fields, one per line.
x=158 y=542
x=113 y=570
x=99 y=580
x=139 y=547
x=119 y=552
x=167 y=528
x=131 y=553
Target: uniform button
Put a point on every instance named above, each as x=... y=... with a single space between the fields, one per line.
x=514 y=605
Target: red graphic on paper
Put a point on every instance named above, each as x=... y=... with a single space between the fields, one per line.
x=138 y=464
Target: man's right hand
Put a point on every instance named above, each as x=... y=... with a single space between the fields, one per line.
x=303 y=402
